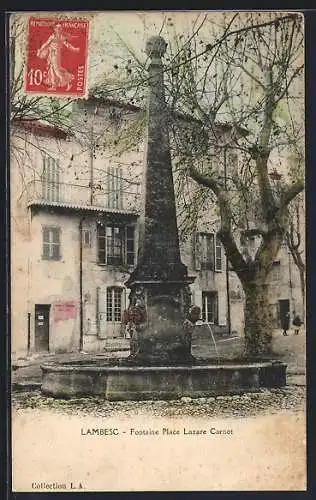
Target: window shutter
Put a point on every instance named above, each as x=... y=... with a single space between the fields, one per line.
x=197 y=298
x=101 y=244
x=56 y=235
x=44 y=179
x=49 y=178
x=55 y=252
x=218 y=253
x=45 y=235
x=222 y=308
x=101 y=312
x=111 y=187
x=118 y=190
x=97 y=303
x=197 y=251
x=210 y=251
x=44 y=173
x=55 y=165
x=124 y=299
x=46 y=251
x=130 y=245
x=192 y=297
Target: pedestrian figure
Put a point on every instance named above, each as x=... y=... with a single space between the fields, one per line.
x=135 y=319
x=286 y=323
x=297 y=323
x=189 y=324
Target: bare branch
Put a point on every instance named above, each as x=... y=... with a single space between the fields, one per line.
x=289 y=194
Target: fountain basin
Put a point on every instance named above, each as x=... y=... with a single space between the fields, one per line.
x=119 y=383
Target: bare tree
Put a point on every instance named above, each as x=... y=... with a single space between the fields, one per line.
x=244 y=72
x=237 y=78
x=257 y=78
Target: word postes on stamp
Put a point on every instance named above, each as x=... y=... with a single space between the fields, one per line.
x=56 y=59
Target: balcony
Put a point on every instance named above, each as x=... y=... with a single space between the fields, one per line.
x=77 y=197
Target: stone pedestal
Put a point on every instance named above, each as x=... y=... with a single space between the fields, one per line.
x=162 y=340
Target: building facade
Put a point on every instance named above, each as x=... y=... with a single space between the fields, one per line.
x=75 y=204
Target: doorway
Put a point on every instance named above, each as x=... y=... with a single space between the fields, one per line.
x=284 y=308
x=42 y=327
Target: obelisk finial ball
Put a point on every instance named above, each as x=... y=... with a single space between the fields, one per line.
x=156 y=46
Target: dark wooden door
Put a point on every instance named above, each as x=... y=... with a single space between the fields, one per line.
x=42 y=327
x=284 y=308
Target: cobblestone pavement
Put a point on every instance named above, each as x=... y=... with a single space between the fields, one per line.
x=289 y=398
x=289 y=349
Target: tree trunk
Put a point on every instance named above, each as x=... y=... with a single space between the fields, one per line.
x=296 y=254
x=258 y=330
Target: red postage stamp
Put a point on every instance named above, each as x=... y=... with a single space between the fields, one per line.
x=56 y=59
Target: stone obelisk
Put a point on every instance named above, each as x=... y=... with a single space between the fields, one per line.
x=160 y=281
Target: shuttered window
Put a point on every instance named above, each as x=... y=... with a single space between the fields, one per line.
x=210 y=307
x=275 y=272
x=50 y=179
x=114 y=187
x=205 y=251
x=114 y=304
x=208 y=252
x=51 y=243
x=116 y=244
x=109 y=310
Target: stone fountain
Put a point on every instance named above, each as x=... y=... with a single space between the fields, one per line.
x=160 y=365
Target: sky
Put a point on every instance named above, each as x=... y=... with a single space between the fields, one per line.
x=112 y=33
x=134 y=29
x=108 y=29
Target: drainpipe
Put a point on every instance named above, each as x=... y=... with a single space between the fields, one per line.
x=226 y=263
x=292 y=301
x=91 y=164
x=228 y=298
x=28 y=333
x=80 y=288
x=92 y=150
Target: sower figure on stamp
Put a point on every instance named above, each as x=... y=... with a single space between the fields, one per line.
x=57 y=76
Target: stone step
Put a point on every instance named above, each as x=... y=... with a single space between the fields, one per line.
x=26 y=385
x=117 y=348
x=296 y=379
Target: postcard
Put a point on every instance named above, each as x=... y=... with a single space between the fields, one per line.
x=158 y=329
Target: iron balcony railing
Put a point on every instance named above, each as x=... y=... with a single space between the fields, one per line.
x=124 y=198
